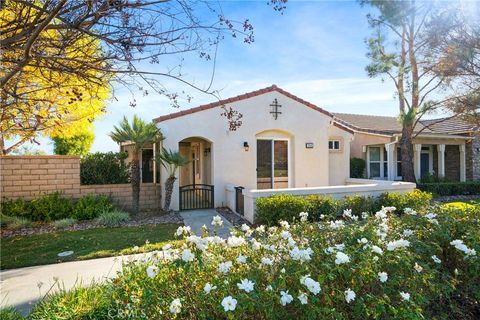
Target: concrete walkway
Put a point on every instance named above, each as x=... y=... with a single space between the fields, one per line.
x=22 y=288
x=197 y=218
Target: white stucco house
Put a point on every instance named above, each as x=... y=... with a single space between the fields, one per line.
x=284 y=144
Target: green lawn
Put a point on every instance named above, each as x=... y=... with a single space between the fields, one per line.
x=41 y=249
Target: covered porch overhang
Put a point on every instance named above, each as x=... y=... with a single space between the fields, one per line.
x=440 y=155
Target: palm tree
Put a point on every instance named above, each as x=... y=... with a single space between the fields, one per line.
x=171 y=161
x=139 y=133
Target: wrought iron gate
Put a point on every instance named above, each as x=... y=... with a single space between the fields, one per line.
x=196 y=196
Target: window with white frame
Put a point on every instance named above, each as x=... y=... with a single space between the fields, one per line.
x=333 y=144
x=374 y=162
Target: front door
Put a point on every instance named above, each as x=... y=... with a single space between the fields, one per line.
x=147 y=165
x=272 y=164
x=424 y=164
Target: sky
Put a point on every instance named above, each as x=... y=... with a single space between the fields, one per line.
x=315 y=50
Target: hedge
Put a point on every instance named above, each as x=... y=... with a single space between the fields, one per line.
x=52 y=206
x=104 y=168
x=451 y=188
x=270 y=210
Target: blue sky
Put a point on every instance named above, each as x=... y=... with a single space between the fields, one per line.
x=315 y=50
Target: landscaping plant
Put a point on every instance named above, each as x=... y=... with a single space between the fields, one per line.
x=171 y=161
x=104 y=168
x=64 y=223
x=385 y=266
x=113 y=218
x=139 y=134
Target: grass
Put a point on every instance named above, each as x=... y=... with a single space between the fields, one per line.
x=41 y=249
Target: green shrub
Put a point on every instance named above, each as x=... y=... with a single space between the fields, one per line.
x=113 y=218
x=51 y=206
x=451 y=188
x=322 y=261
x=10 y=314
x=104 y=168
x=319 y=206
x=15 y=222
x=357 y=168
x=16 y=208
x=80 y=303
x=279 y=207
x=64 y=223
x=416 y=200
x=359 y=204
x=91 y=206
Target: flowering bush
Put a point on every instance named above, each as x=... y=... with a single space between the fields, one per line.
x=382 y=267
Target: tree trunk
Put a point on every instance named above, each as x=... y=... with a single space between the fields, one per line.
x=168 y=192
x=406 y=148
x=135 y=181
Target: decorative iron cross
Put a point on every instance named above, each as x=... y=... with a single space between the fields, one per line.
x=275 y=111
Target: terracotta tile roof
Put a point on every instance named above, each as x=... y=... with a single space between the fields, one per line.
x=239 y=98
x=391 y=125
x=368 y=123
x=450 y=125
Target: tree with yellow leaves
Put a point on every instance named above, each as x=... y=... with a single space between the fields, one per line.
x=43 y=99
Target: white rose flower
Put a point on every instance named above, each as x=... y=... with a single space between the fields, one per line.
x=229 y=304
x=187 y=255
x=341 y=258
x=234 y=242
x=377 y=249
x=208 y=287
x=217 y=221
x=405 y=296
x=242 y=259
x=175 y=306
x=152 y=271
x=285 y=298
x=303 y=216
x=303 y=298
x=349 y=295
x=407 y=232
x=401 y=243
x=312 y=285
x=267 y=261
x=246 y=285
x=245 y=227
x=224 y=267
x=410 y=211
x=418 y=267
x=362 y=241
x=382 y=276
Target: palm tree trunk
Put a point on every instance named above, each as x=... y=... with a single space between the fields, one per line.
x=135 y=181
x=168 y=192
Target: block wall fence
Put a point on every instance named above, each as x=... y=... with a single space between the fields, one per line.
x=30 y=176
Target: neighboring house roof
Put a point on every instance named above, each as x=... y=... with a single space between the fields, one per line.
x=450 y=125
x=239 y=98
x=391 y=125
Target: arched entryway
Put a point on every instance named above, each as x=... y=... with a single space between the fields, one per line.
x=196 y=178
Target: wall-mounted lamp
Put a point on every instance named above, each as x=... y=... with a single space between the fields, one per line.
x=246 y=146
x=206 y=151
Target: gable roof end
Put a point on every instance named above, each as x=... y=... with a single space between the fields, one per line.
x=244 y=96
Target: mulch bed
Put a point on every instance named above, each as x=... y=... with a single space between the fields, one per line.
x=173 y=218
x=232 y=217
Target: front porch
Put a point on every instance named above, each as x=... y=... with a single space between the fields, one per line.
x=441 y=159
